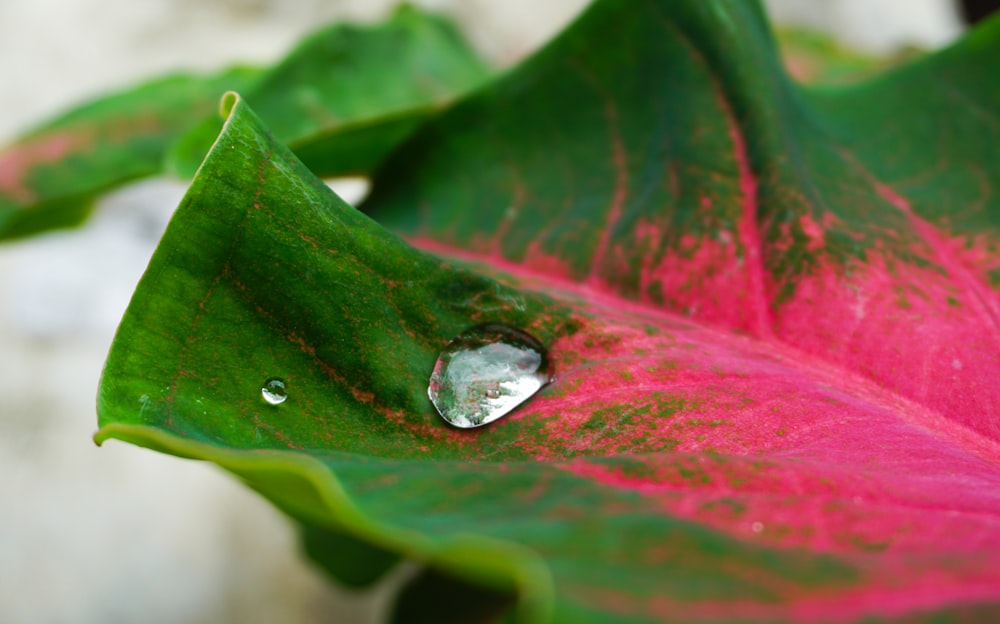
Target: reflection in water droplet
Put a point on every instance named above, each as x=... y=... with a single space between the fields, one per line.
x=485 y=373
x=274 y=391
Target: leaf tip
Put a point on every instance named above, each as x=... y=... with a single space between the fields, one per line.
x=228 y=102
x=100 y=436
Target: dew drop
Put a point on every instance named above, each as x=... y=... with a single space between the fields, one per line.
x=486 y=372
x=274 y=391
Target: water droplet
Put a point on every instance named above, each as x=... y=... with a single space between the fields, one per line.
x=274 y=391
x=485 y=373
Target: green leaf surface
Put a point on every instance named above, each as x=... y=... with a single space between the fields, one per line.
x=348 y=94
x=252 y=317
x=50 y=177
x=771 y=312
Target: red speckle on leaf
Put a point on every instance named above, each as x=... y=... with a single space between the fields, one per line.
x=863 y=334
x=865 y=429
x=813 y=231
x=978 y=251
x=854 y=483
x=983 y=300
x=706 y=278
x=759 y=307
x=17 y=161
x=892 y=197
x=619 y=165
x=430 y=429
x=904 y=327
x=882 y=595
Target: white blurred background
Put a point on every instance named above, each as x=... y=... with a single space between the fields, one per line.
x=120 y=534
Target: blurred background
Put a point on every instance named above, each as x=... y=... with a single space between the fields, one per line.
x=120 y=534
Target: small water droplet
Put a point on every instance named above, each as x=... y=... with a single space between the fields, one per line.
x=486 y=372
x=274 y=391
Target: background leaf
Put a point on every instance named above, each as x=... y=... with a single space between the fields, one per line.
x=50 y=177
x=343 y=98
x=771 y=314
x=348 y=94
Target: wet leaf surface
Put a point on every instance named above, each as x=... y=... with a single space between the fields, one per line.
x=772 y=313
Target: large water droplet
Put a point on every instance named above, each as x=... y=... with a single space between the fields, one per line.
x=274 y=391
x=485 y=373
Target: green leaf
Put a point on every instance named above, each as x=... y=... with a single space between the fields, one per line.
x=342 y=99
x=50 y=177
x=348 y=94
x=771 y=312
x=271 y=274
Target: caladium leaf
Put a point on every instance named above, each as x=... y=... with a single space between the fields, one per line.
x=857 y=224
x=49 y=177
x=262 y=284
x=343 y=99
x=771 y=313
x=348 y=94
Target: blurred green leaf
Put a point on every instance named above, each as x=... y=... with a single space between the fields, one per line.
x=50 y=177
x=343 y=99
x=348 y=94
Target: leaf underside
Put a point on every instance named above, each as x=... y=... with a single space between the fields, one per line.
x=772 y=312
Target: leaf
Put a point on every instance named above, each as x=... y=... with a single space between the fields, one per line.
x=240 y=269
x=343 y=99
x=814 y=57
x=771 y=311
x=49 y=177
x=348 y=94
x=839 y=221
